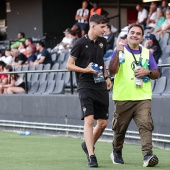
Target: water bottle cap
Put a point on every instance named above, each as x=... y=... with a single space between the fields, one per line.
x=101 y=67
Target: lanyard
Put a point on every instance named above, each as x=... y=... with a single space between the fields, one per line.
x=136 y=62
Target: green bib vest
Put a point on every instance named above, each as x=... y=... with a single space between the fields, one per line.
x=125 y=82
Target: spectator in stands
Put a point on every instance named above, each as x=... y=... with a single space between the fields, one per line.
x=82 y=16
x=98 y=10
x=7 y=58
x=43 y=56
x=165 y=26
x=15 y=84
x=161 y=19
x=18 y=58
x=21 y=38
x=164 y=5
x=152 y=17
x=31 y=57
x=29 y=42
x=142 y=15
x=3 y=77
x=67 y=42
x=110 y=42
x=152 y=44
x=22 y=48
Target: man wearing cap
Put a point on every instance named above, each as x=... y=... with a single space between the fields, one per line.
x=132 y=94
x=152 y=44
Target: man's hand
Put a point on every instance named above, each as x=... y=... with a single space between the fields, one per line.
x=141 y=72
x=109 y=83
x=89 y=69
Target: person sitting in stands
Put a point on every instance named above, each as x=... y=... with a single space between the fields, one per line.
x=7 y=58
x=29 y=42
x=21 y=38
x=31 y=57
x=3 y=77
x=43 y=56
x=153 y=45
x=22 y=48
x=152 y=17
x=165 y=27
x=161 y=20
x=19 y=58
x=15 y=83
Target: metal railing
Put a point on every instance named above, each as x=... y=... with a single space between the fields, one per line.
x=42 y=71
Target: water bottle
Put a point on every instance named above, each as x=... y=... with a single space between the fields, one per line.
x=121 y=57
x=95 y=67
x=24 y=133
x=145 y=79
x=138 y=80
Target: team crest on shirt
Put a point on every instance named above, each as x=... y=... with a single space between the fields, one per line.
x=101 y=45
x=84 y=109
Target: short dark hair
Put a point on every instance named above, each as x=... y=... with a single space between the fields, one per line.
x=9 y=67
x=22 y=33
x=3 y=64
x=136 y=25
x=98 y=19
x=29 y=39
x=41 y=43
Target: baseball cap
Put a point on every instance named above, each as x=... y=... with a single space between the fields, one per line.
x=150 y=36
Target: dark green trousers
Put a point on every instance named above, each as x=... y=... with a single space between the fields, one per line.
x=140 y=111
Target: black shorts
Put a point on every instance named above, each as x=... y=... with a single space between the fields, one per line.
x=94 y=102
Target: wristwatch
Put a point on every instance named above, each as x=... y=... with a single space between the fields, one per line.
x=107 y=77
x=150 y=72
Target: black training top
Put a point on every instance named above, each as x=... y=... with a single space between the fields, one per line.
x=86 y=51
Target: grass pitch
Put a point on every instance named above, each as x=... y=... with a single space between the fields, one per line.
x=40 y=152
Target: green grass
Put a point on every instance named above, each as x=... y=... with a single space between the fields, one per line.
x=40 y=152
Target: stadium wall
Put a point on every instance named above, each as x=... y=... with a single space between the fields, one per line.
x=65 y=109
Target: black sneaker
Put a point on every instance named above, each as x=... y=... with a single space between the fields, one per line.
x=150 y=160
x=116 y=157
x=84 y=147
x=92 y=161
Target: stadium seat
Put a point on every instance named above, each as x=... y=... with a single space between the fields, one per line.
x=59 y=88
x=50 y=87
x=54 y=57
x=159 y=86
x=55 y=66
x=66 y=78
x=167 y=89
x=34 y=87
x=47 y=66
x=42 y=87
x=39 y=67
x=61 y=57
x=42 y=77
x=58 y=76
x=50 y=76
x=153 y=84
x=34 y=77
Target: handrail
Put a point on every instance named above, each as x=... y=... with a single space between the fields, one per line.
x=41 y=71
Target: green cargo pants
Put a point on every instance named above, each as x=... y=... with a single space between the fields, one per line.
x=140 y=111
